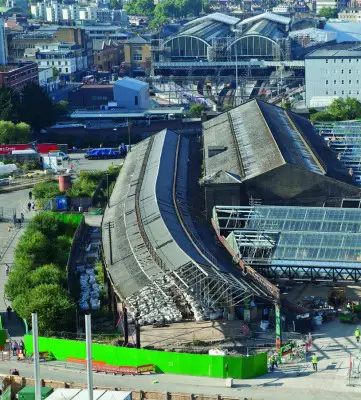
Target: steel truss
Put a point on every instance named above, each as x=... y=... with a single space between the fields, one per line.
x=213 y=289
x=320 y=274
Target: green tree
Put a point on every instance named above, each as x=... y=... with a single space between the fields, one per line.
x=34 y=246
x=55 y=308
x=47 y=224
x=115 y=5
x=328 y=12
x=47 y=274
x=19 y=279
x=196 y=110
x=140 y=7
x=339 y=110
x=9 y=105
x=45 y=191
x=61 y=108
x=37 y=108
x=14 y=133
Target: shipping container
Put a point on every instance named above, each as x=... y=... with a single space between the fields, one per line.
x=28 y=393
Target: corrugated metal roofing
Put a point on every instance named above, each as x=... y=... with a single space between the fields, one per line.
x=218 y=17
x=207 y=30
x=269 y=16
x=266 y=28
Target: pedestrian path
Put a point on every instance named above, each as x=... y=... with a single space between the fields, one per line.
x=8 y=242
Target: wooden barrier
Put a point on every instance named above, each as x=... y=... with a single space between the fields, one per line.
x=17 y=383
x=100 y=366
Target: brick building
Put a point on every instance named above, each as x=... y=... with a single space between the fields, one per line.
x=16 y=76
x=107 y=55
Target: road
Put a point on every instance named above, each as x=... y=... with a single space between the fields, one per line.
x=83 y=164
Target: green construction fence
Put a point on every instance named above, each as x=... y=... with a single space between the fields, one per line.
x=72 y=219
x=165 y=362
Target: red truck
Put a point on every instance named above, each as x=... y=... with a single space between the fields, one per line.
x=42 y=148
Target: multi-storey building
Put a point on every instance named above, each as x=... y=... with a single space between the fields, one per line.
x=3 y=55
x=333 y=71
x=137 y=55
x=350 y=14
x=107 y=55
x=338 y=4
x=17 y=76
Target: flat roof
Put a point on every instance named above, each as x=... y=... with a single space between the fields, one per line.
x=125 y=113
x=338 y=51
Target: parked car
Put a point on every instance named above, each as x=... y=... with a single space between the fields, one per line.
x=101 y=154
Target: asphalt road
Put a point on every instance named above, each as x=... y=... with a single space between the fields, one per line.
x=82 y=163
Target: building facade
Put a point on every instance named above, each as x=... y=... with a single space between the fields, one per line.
x=3 y=53
x=17 y=76
x=137 y=54
x=339 y=4
x=107 y=55
x=350 y=14
x=331 y=72
x=131 y=94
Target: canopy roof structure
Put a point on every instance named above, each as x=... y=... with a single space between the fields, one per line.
x=295 y=237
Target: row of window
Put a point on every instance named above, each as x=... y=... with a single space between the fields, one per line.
x=343 y=82
x=342 y=60
x=342 y=71
x=350 y=92
x=137 y=57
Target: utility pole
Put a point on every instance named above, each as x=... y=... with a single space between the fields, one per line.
x=34 y=321
x=110 y=225
x=129 y=141
x=89 y=359
x=108 y=197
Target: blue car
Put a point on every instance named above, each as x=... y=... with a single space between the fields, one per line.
x=102 y=154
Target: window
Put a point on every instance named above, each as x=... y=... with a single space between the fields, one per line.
x=350 y=92
x=343 y=92
x=356 y=59
x=334 y=82
x=326 y=61
x=326 y=82
x=136 y=100
x=342 y=61
x=342 y=82
x=334 y=92
x=349 y=71
x=349 y=82
x=66 y=70
x=341 y=71
x=326 y=92
x=137 y=57
x=334 y=61
x=349 y=60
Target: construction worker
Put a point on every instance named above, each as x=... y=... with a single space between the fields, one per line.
x=357 y=334
x=348 y=306
x=314 y=362
x=271 y=363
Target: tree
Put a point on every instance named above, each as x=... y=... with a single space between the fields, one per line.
x=47 y=224
x=14 y=133
x=53 y=304
x=36 y=108
x=61 y=108
x=339 y=110
x=56 y=73
x=140 y=7
x=47 y=274
x=196 y=110
x=9 y=105
x=328 y=12
x=115 y=5
x=43 y=192
x=35 y=247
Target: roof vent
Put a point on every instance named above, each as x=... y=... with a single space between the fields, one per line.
x=214 y=150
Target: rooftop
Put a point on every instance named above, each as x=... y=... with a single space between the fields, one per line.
x=268 y=16
x=347 y=50
x=256 y=137
x=301 y=236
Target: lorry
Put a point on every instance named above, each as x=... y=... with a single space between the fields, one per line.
x=102 y=154
x=41 y=148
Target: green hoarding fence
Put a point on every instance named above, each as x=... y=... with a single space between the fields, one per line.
x=6 y=394
x=73 y=219
x=165 y=362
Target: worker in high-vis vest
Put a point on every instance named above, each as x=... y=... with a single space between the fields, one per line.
x=314 y=362
x=357 y=334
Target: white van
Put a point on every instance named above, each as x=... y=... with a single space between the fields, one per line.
x=60 y=154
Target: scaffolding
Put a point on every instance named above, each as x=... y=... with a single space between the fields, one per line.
x=344 y=139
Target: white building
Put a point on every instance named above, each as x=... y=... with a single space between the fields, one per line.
x=333 y=72
x=131 y=94
x=46 y=79
x=3 y=55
